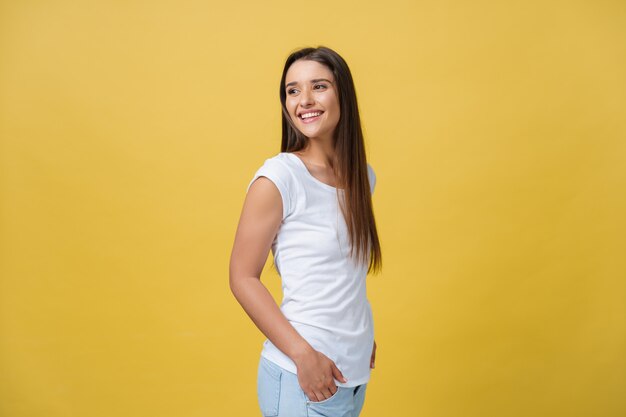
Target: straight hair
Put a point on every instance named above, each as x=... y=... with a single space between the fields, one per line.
x=351 y=164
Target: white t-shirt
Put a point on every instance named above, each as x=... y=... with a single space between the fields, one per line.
x=324 y=293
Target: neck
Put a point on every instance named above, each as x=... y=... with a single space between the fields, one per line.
x=319 y=153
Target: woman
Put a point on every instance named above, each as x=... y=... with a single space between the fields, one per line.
x=311 y=205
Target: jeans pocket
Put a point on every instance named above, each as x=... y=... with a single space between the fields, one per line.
x=268 y=387
x=327 y=399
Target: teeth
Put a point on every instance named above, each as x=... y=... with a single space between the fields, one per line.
x=313 y=114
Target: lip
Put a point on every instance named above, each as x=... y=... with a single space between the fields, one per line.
x=310 y=119
x=300 y=113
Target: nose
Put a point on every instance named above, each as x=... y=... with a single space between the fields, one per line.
x=306 y=97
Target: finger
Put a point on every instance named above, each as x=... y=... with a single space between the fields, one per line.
x=311 y=395
x=319 y=396
x=337 y=374
x=324 y=394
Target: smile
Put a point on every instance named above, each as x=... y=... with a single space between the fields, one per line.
x=310 y=117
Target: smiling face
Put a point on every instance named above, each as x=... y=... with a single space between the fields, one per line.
x=310 y=92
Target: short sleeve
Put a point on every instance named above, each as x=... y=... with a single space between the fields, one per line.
x=279 y=174
x=372 y=177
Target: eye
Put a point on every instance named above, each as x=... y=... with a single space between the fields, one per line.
x=291 y=90
x=320 y=85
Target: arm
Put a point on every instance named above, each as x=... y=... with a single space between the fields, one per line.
x=260 y=220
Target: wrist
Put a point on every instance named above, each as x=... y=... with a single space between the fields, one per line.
x=301 y=351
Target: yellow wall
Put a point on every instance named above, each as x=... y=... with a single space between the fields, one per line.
x=129 y=131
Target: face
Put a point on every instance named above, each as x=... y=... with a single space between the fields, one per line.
x=311 y=92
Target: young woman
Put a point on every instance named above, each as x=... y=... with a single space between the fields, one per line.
x=311 y=204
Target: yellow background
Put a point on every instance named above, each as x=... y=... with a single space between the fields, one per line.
x=130 y=130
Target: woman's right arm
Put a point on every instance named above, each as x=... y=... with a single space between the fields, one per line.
x=260 y=220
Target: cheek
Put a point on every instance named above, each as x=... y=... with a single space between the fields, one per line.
x=336 y=113
x=290 y=109
x=334 y=105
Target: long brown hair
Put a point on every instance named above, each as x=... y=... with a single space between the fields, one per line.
x=351 y=164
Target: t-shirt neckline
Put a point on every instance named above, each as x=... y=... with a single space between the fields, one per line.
x=301 y=163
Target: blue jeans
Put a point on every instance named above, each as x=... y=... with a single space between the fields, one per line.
x=280 y=395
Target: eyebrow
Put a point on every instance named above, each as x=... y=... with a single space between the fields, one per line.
x=312 y=81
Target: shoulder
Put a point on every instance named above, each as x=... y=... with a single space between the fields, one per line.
x=278 y=170
x=279 y=163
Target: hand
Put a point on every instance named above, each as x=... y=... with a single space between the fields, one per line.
x=373 y=358
x=317 y=374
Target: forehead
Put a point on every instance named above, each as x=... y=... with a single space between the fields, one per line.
x=303 y=71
